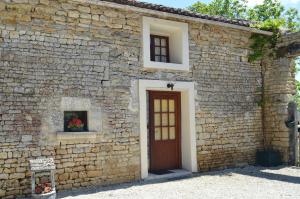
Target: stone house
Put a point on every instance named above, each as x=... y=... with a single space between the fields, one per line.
x=153 y=88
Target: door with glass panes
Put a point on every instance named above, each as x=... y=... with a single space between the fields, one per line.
x=164 y=129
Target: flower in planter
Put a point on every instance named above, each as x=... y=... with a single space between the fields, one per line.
x=38 y=189
x=75 y=123
x=47 y=189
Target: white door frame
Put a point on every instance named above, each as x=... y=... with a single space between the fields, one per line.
x=188 y=132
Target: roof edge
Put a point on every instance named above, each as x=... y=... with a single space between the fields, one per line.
x=167 y=14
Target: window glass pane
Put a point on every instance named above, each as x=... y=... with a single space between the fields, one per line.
x=165 y=119
x=163 y=42
x=163 y=59
x=157 y=58
x=157 y=105
x=165 y=135
x=164 y=105
x=157 y=119
x=157 y=135
x=157 y=41
x=172 y=133
x=171 y=106
x=172 y=119
x=157 y=50
x=164 y=51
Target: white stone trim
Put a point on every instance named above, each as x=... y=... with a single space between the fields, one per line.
x=76 y=135
x=94 y=115
x=188 y=137
x=178 y=43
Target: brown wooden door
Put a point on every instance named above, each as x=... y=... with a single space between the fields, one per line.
x=164 y=129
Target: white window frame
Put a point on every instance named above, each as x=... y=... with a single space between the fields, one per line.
x=166 y=27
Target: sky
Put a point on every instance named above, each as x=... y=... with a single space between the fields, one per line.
x=186 y=3
x=298 y=73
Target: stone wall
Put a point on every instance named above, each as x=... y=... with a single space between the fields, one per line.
x=55 y=49
x=228 y=117
x=279 y=91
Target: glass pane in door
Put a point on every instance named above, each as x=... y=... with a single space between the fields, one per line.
x=171 y=106
x=157 y=119
x=164 y=105
x=156 y=105
x=157 y=134
x=171 y=119
x=164 y=119
x=172 y=133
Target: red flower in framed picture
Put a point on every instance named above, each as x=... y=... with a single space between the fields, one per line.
x=75 y=121
x=75 y=124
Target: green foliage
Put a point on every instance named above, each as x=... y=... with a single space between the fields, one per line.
x=297 y=96
x=264 y=13
x=260 y=42
x=292 y=20
x=270 y=16
x=270 y=9
x=225 y=8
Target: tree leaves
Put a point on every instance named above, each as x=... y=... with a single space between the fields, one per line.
x=269 y=16
x=226 y=8
x=264 y=13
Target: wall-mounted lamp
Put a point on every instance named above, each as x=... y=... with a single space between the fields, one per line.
x=170 y=85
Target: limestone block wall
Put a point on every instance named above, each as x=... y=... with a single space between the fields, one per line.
x=50 y=50
x=279 y=91
x=228 y=117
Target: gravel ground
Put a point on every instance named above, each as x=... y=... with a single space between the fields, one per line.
x=243 y=183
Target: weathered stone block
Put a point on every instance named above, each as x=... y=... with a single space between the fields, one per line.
x=36 y=153
x=61 y=152
x=68 y=164
x=92 y=174
x=26 y=138
x=2 y=193
x=3 y=155
x=3 y=176
x=84 y=9
x=17 y=176
x=73 y=175
x=63 y=177
x=73 y=14
x=45 y=2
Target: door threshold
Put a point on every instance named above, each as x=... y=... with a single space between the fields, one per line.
x=173 y=175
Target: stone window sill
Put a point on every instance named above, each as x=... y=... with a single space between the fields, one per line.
x=167 y=66
x=76 y=135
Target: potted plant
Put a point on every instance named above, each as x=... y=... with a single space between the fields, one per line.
x=267 y=157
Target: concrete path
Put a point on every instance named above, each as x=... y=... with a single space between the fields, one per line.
x=248 y=182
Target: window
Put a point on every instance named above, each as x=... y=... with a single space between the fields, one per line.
x=165 y=44
x=75 y=121
x=159 y=48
